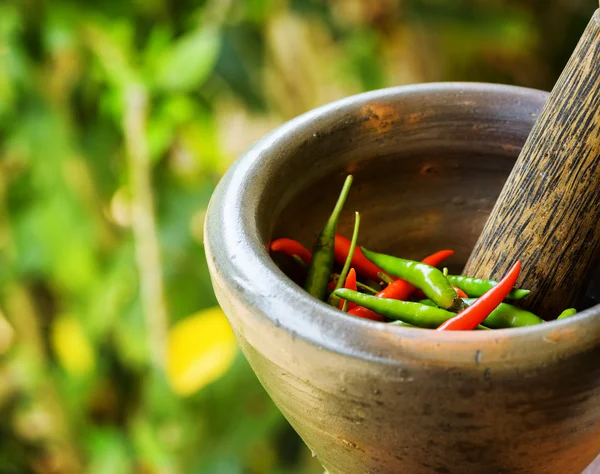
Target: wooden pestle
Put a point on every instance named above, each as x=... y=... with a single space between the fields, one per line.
x=548 y=213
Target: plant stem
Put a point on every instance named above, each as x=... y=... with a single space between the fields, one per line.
x=27 y=372
x=143 y=221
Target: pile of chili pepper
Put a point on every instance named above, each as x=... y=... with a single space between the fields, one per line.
x=404 y=292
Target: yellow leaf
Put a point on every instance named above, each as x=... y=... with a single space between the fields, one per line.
x=6 y=334
x=71 y=346
x=200 y=350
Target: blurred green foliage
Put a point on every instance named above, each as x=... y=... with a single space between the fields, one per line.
x=116 y=121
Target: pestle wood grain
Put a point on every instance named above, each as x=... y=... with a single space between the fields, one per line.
x=548 y=213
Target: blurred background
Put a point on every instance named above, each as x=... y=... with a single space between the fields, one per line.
x=117 y=119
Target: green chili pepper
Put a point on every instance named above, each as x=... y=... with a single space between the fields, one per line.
x=342 y=279
x=428 y=303
x=323 y=252
x=406 y=325
x=567 y=312
x=401 y=323
x=416 y=314
x=475 y=287
x=504 y=316
x=425 y=277
x=508 y=316
x=361 y=286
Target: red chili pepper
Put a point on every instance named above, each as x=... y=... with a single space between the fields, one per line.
x=291 y=247
x=362 y=312
x=461 y=293
x=400 y=289
x=361 y=263
x=350 y=284
x=474 y=315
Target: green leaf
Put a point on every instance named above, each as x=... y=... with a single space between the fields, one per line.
x=109 y=452
x=189 y=61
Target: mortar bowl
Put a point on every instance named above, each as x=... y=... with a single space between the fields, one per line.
x=428 y=162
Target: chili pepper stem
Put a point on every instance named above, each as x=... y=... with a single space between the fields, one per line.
x=342 y=279
x=384 y=278
x=348 y=262
x=361 y=286
x=458 y=305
